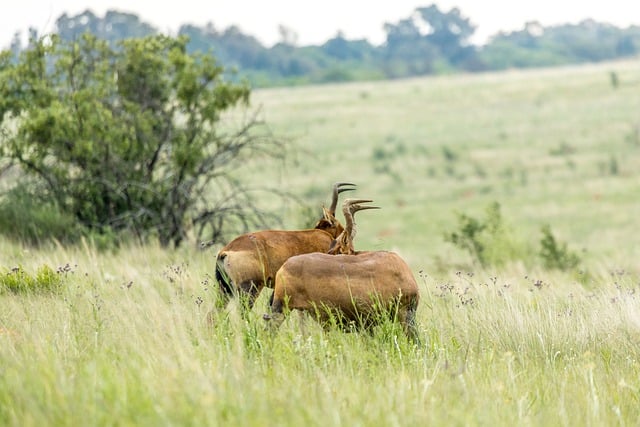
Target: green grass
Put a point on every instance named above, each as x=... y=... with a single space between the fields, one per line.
x=539 y=142
x=130 y=338
x=130 y=341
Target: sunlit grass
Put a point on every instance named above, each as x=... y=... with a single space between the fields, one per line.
x=133 y=339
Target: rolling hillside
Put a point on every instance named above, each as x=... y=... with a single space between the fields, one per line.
x=557 y=146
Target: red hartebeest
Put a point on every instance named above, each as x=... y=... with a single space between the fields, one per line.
x=249 y=262
x=355 y=286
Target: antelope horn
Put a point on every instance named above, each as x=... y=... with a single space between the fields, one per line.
x=350 y=206
x=338 y=188
x=349 y=202
x=361 y=208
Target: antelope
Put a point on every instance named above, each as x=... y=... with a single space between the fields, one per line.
x=354 y=286
x=249 y=262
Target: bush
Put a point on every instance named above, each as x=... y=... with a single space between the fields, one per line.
x=18 y=281
x=554 y=254
x=130 y=138
x=488 y=240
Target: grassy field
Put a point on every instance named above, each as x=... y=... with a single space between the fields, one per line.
x=130 y=338
x=558 y=147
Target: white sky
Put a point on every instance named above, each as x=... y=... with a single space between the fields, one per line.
x=316 y=21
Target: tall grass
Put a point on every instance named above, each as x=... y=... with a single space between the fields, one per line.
x=134 y=339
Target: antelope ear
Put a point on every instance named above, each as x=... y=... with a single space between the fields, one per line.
x=327 y=220
x=327 y=215
x=333 y=247
x=323 y=224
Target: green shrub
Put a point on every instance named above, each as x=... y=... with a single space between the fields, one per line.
x=488 y=240
x=554 y=254
x=18 y=281
x=149 y=153
x=466 y=237
x=449 y=154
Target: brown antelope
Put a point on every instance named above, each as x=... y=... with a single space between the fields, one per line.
x=355 y=287
x=249 y=262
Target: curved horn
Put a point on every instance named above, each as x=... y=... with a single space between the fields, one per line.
x=352 y=201
x=343 y=244
x=338 y=188
x=351 y=206
x=357 y=208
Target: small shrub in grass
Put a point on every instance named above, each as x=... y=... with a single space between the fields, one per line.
x=18 y=281
x=379 y=154
x=554 y=254
x=449 y=155
x=466 y=236
x=488 y=240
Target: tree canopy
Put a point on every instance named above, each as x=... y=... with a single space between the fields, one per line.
x=428 y=40
x=129 y=136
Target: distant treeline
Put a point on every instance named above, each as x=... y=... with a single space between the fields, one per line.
x=428 y=41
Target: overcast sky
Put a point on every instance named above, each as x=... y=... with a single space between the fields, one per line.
x=316 y=21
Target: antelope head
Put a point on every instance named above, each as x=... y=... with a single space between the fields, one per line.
x=328 y=222
x=343 y=244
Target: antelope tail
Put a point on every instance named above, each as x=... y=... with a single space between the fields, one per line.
x=222 y=277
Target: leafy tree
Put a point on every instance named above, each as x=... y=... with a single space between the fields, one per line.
x=16 y=44
x=407 y=51
x=535 y=45
x=342 y=49
x=449 y=31
x=131 y=137
x=114 y=26
x=430 y=39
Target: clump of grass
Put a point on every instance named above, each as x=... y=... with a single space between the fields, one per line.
x=449 y=154
x=563 y=149
x=382 y=157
